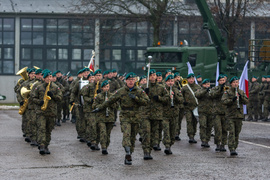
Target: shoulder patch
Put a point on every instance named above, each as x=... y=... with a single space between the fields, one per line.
x=225 y=92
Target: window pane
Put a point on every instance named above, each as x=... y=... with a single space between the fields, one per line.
x=51 y=24
x=1 y=67
x=130 y=55
x=51 y=65
x=76 y=66
x=62 y=54
x=117 y=39
x=142 y=40
x=139 y=69
x=131 y=28
x=0 y=26
x=87 y=54
x=8 y=38
x=26 y=63
x=26 y=53
x=0 y=38
x=76 y=26
x=37 y=38
x=142 y=27
x=195 y=27
x=51 y=54
x=116 y=54
x=38 y=25
x=8 y=67
x=76 y=39
x=8 y=53
x=117 y=66
x=104 y=65
x=26 y=38
x=62 y=38
x=130 y=40
x=129 y=67
x=63 y=25
x=183 y=27
x=76 y=54
x=63 y=66
x=37 y=54
x=51 y=39
x=140 y=55
x=38 y=64
x=88 y=39
x=105 y=54
x=9 y=24
x=0 y=54
x=26 y=24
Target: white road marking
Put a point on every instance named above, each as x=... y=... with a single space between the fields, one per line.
x=260 y=145
x=260 y=123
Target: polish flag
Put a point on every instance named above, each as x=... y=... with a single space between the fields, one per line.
x=191 y=71
x=91 y=64
x=243 y=83
x=217 y=73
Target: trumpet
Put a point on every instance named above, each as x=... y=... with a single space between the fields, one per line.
x=172 y=105
x=184 y=82
x=107 y=109
x=226 y=88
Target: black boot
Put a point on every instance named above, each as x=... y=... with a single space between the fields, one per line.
x=249 y=119
x=93 y=147
x=206 y=145
x=82 y=140
x=27 y=139
x=64 y=119
x=177 y=138
x=128 y=158
x=34 y=143
x=222 y=148
x=168 y=151
x=233 y=153
x=47 y=150
x=157 y=147
x=58 y=123
x=217 y=148
x=203 y=144
x=89 y=143
x=192 y=140
x=97 y=148
x=104 y=151
x=147 y=156
x=42 y=149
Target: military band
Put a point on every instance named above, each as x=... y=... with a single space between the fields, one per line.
x=154 y=110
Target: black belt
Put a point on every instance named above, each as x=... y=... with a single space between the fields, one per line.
x=127 y=108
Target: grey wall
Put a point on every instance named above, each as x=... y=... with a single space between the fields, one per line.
x=7 y=84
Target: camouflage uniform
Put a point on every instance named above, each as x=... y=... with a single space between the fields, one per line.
x=60 y=104
x=234 y=116
x=253 y=100
x=65 y=102
x=153 y=116
x=266 y=102
x=129 y=112
x=73 y=112
x=170 y=115
x=105 y=123
x=190 y=105
x=219 y=121
x=181 y=113
x=114 y=85
x=205 y=113
x=261 y=99
x=45 y=119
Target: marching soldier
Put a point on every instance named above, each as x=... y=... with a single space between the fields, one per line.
x=234 y=99
x=190 y=103
x=199 y=79
x=266 y=102
x=219 y=121
x=159 y=78
x=46 y=114
x=261 y=96
x=142 y=80
x=131 y=98
x=120 y=82
x=205 y=112
x=253 y=100
x=105 y=117
x=170 y=113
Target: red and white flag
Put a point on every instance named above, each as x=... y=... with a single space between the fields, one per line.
x=91 y=64
x=243 y=83
x=190 y=70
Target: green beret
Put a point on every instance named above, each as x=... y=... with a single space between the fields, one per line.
x=152 y=71
x=86 y=69
x=69 y=75
x=268 y=76
x=27 y=70
x=234 y=78
x=104 y=83
x=168 y=70
x=58 y=71
x=142 y=77
x=120 y=74
x=31 y=70
x=159 y=74
x=206 y=81
x=46 y=73
x=169 y=77
x=130 y=75
x=98 y=71
x=225 y=75
x=190 y=75
x=255 y=77
x=114 y=71
x=105 y=73
x=264 y=76
x=38 y=71
x=199 y=76
x=54 y=74
x=176 y=74
x=220 y=76
x=79 y=72
x=90 y=74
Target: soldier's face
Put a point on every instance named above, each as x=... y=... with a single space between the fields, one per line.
x=59 y=75
x=170 y=82
x=85 y=74
x=39 y=76
x=114 y=74
x=177 y=78
x=70 y=78
x=221 y=81
x=32 y=75
x=110 y=75
x=106 y=88
x=143 y=81
x=152 y=77
x=98 y=77
x=253 y=79
x=53 y=79
x=92 y=78
x=235 y=84
x=199 y=79
x=159 y=78
x=206 y=85
x=130 y=82
x=48 y=79
x=263 y=79
x=191 y=80
x=268 y=79
x=168 y=73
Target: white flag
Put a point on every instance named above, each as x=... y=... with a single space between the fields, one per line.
x=191 y=71
x=243 y=83
x=217 y=74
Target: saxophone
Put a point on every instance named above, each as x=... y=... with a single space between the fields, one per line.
x=46 y=98
x=97 y=85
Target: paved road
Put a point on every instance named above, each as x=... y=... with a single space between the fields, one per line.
x=71 y=159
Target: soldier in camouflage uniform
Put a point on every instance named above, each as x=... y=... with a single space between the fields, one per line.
x=153 y=115
x=205 y=112
x=219 y=121
x=120 y=82
x=105 y=118
x=253 y=100
x=45 y=119
x=261 y=97
x=160 y=78
x=190 y=104
x=170 y=114
x=234 y=112
x=266 y=102
x=199 y=79
x=131 y=98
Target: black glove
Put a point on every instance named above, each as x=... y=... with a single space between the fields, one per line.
x=41 y=103
x=71 y=102
x=222 y=87
x=146 y=90
x=234 y=99
x=185 y=103
x=98 y=91
x=132 y=96
x=155 y=98
x=208 y=89
x=49 y=93
x=21 y=103
x=95 y=110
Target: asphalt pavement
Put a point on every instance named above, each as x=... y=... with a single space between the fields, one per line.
x=71 y=159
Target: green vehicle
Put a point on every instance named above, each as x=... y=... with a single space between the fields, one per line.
x=203 y=60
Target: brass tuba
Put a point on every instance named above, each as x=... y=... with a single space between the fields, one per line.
x=46 y=98
x=25 y=93
x=184 y=82
x=23 y=73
